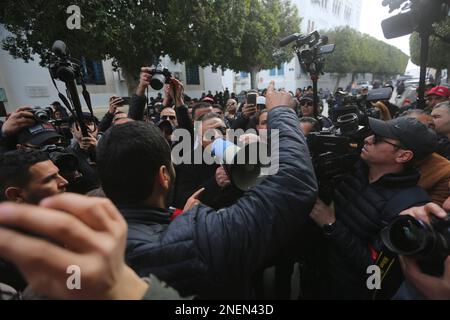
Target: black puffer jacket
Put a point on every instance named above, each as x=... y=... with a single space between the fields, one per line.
x=361 y=214
x=213 y=254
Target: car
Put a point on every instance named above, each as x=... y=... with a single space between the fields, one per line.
x=364 y=84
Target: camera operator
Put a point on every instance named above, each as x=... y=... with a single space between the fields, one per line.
x=383 y=184
x=430 y=287
x=84 y=149
x=212 y=254
x=307 y=110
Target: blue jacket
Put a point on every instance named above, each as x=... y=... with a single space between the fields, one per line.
x=214 y=254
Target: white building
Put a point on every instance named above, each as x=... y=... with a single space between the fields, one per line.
x=29 y=84
x=316 y=15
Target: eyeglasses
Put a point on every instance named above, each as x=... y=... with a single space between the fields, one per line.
x=230 y=104
x=168 y=117
x=306 y=103
x=378 y=139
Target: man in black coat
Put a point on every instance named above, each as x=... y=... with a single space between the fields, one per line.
x=212 y=254
x=381 y=186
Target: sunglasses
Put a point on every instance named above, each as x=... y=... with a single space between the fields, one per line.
x=378 y=139
x=168 y=117
x=306 y=103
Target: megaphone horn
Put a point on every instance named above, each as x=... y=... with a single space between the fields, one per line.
x=241 y=164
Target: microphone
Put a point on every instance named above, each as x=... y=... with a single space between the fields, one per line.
x=289 y=39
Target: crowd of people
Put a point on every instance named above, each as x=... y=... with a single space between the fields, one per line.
x=105 y=195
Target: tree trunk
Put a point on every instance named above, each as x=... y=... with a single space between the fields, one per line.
x=438 y=76
x=339 y=76
x=354 y=75
x=254 y=78
x=132 y=79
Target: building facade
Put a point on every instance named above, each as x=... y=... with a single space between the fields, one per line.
x=29 y=84
x=316 y=15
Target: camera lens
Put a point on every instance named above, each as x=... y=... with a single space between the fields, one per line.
x=406 y=236
x=157 y=81
x=42 y=116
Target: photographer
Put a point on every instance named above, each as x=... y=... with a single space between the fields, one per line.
x=20 y=119
x=383 y=184
x=83 y=148
x=430 y=287
x=210 y=253
x=175 y=87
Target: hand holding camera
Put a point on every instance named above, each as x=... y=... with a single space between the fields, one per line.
x=19 y=119
x=431 y=287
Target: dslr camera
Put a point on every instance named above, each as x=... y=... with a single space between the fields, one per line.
x=428 y=244
x=160 y=76
x=42 y=114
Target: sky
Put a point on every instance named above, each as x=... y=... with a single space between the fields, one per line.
x=371 y=16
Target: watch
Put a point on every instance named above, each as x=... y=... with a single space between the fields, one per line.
x=329 y=228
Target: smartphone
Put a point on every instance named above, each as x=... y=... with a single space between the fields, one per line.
x=126 y=101
x=251 y=98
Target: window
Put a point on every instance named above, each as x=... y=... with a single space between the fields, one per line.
x=244 y=74
x=92 y=71
x=192 y=74
x=280 y=70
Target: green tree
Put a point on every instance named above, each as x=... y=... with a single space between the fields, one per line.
x=266 y=23
x=133 y=33
x=360 y=53
x=439 y=50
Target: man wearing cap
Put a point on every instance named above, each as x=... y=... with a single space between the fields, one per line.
x=437 y=95
x=382 y=185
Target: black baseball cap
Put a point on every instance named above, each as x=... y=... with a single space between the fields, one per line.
x=38 y=135
x=412 y=134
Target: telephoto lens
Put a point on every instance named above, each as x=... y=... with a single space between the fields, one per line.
x=429 y=244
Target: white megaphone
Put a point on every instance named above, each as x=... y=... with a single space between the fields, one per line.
x=241 y=164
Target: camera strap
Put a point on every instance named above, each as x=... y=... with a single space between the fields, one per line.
x=64 y=99
x=86 y=96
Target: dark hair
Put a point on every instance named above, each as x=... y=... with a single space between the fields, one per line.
x=218 y=106
x=199 y=105
x=14 y=168
x=129 y=157
x=258 y=115
x=209 y=115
